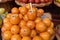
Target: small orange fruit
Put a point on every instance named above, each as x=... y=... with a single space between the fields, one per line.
x=26 y=17
x=38 y=19
x=30 y=24
x=32 y=14
x=16 y=37
x=7 y=35
x=50 y=30
x=25 y=31
x=33 y=33
x=15 y=29
x=27 y=6
x=14 y=19
x=41 y=27
x=20 y=16
x=45 y=35
x=23 y=10
x=37 y=38
x=6 y=20
x=15 y=10
x=52 y=25
x=8 y=15
x=22 y=23
x=40 y=12
x=26 y=38
x=47 y=21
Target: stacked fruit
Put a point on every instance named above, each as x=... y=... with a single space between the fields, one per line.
x=25 y=23
x=34 y=1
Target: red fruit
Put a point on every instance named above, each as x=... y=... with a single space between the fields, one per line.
x=37 y=1
x=24 y=1
x=42 y=1
x=47 y=1
x=32 y=1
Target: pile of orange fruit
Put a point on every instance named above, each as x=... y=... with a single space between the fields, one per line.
x=24 y=23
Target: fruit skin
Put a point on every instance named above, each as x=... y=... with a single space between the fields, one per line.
x=20 y=16
x=25 y=1
x=8 y=15
x=16 y=37
x=37 y=38
x=42 y=1
x=25 y=31
x=14 y=19
x=15 y=29
x=30 y=24
x=41 y=27
x=37 y=1
x=15 y=10
x=2 y=10
x=26 y=38
x=32 y=1
x=7 y=35
x=45 y=35
x=33 y=33
x=47 y=21
x=58 y=0
x=47 y=1
x=23 y=10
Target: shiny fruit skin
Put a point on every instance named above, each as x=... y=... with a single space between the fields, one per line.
x=37 y=1
x=26 y=38
x=7 y=35
x=40 y=12
x=47 y=21
x=16 y=37
x=32 y=14
x=38 y=19
x=8 y=15
x=15 y=29
x=22 y=23
x=33 y=33
x=32 y=1
x=41 y=27
x=50 y=30
x=15 y=10
x=20 y=16
x=45 y=35
x=23 y=10
x=25 y=1
x=25 y=31
x=14 y=19
x=37 y=38
x=30 y=24
x=26 y=17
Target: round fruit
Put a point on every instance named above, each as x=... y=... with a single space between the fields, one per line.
x=27 y=6
x=20 y=16
x=40 y=12
x=30 y=24
x=45 y=35
x=22 y=23
x=14 y=19
x=52 y=25
x=15 y=10
x=41 y=27
x=32 y=14
x=7 y=35
x=8 y=26
x=37 y=1
x=38 y=19
x=47 y=1
x=15 y=29
x=2 y=10
x=31 y=1
x=26 y=38
x=33 y=33
x=8 y=15
x=23 y=10
x=47 y=21
x=37 y=38
x=25 y=31
x=6 y=20
x=50 y=30
x=16 y=37
x=26 y=17
x=42 y=1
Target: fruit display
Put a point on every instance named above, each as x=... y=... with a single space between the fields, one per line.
x=26 y=24
x=57 y=2
x=3 y=14
x=36 y=3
